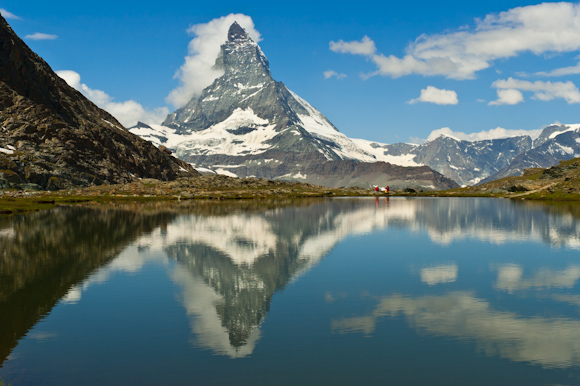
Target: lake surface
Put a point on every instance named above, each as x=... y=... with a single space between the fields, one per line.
x=400 y=291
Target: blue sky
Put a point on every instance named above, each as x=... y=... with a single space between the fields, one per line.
x=476 y=66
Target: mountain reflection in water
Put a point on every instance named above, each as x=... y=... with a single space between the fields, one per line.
x=230 y=260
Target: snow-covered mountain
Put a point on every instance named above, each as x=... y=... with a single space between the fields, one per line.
x=472 y=162
x=247 y=124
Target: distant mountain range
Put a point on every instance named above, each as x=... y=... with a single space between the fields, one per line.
x=247 y=124
x=52 y=137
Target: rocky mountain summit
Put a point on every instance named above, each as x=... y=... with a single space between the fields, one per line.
x=52 y=137
x=246 y=124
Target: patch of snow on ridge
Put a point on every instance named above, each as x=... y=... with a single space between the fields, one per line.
x=6 y=151
x=575 y=127
x=379 y=153
x=156 y=134
x=319 y=127
x=227 y=173
x=218 y=140
x=315 y=122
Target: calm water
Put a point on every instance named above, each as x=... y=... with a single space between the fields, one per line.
x=320 y=292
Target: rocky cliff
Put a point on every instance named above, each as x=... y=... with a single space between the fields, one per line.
x=52 y=137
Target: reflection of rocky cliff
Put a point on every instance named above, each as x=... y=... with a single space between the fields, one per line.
x=44 y=254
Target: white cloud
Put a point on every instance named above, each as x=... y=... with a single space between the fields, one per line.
x=438 y=96
x=497 y=133
x=460 y=54
x=41 y=36
x=544 y=91
x=365 y=47
x=8 y=15
x=197 y=72
x=128 y=112
x=508 y=96
x=330 y=74
x=572 y=70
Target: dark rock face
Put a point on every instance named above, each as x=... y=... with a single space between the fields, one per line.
x=53 y=137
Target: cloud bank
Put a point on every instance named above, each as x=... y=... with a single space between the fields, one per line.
x=539 y=29
x=496 y=133
x=438 y=96
x=128 y=112
x=197 y=72
x=41 y=36
x=8 y=15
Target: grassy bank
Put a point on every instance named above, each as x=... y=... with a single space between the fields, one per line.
x=558 y=183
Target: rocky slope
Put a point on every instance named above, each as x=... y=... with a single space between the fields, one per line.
x=555 y=143
x=247 y=124
x=52 y=137
x=559 y=182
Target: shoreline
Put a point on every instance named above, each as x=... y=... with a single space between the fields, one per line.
x=20 y=202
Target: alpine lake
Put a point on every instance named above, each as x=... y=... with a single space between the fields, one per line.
x=345 y=291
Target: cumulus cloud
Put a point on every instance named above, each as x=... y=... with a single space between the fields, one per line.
x=8 y=15
x=539 y=29
x=544 y=91
x=508 y=96
x=198 y=71
x=497 y=133
x=365 y=47
x=128 y=112
x=438 y=96
x=333 y=74
x=41 y=36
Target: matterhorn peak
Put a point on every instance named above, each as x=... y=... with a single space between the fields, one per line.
x=237 y=34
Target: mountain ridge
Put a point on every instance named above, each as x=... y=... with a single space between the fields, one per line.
x=52 y=137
